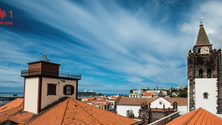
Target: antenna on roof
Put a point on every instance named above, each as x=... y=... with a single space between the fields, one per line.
x=201 y=20
x=44 y=58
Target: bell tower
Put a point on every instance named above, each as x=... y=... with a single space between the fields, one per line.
x=204 y=75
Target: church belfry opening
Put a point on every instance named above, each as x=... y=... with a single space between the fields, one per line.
x=208 y=73
x=200 y=73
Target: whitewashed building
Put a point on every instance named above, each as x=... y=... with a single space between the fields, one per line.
x=134 y=104
x=136 y=93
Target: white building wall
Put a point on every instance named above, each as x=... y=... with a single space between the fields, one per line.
x=146 y=96
x=182 y=108
x=156 y=103
x=121 y=109
x=188 y=94
x=208 y=85
x=31 y=95
x=48 y=99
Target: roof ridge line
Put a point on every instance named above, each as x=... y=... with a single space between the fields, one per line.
x=189 y=119
x=22 y=103
x=199 y=116
x=65 y=111
x=204 y=115
x=87 y=112
x=102 y=109
x=8 y=117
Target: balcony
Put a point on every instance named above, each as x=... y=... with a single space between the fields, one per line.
x=34 y=72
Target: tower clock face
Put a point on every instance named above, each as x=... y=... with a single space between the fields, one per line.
x=205 y=50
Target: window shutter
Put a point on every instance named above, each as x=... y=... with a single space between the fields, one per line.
x=64 y=90
x=72 y=90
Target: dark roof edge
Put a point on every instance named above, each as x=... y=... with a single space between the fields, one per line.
x=56 y=77
x=44 y=62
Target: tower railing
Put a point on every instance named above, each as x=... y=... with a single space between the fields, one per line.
x=53 y=73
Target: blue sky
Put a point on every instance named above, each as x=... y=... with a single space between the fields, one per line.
x=116 y=45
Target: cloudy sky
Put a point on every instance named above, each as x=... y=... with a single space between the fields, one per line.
x=116 y=45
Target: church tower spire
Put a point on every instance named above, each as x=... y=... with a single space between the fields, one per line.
x=202 y=38
x=202 y=45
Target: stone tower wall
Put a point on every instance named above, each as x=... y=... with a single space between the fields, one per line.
x=197 y=61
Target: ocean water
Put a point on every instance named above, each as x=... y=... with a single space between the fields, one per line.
x=2 y=94
x=107 y=94
x=10 y=94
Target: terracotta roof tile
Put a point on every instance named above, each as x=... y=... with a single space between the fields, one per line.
x=147 y=94
x=52 y=116
x=90 y=98
x=180 y=101
x=197 y=117
x=5 y=114
x=100 y=97
x=68 y=111
x=21 y=117
x=134 y=100
x=91 y=101
x=75 y=113
x=71 y=111
x=113 y=99
x=105 y=117
x=100 y=104
x=16 y=114
x=15 y=103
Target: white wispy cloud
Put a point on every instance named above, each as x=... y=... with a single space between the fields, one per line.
x=104 y=39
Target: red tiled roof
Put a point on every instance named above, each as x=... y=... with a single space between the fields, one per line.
x=180 y=101
x=91 y=101
x=113 y=99
x=5 y=114
x=100 y=97
x=21 y=117
x=147 y=94
x=68 y=111
x=71 y=111
x=15 y=103
x=134 y=100
x=100 y=104
x=90 y=98
x=197 y=117
x=16 y=114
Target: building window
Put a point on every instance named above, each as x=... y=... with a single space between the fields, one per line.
x=209 y=73
x=200 y=73
x=51 y=89
x=205 y=95
x=68 y=90
x=199 y=50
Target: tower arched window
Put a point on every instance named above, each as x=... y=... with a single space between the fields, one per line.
x=200 y=73
x=205 y=94
x=199 y=50
x=209 y=73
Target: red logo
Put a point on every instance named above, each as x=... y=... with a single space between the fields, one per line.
x=2 y=14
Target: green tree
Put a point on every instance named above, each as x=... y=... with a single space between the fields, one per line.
x=182 y=94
